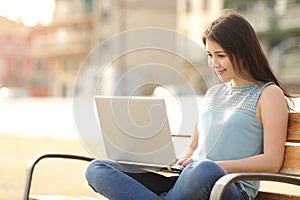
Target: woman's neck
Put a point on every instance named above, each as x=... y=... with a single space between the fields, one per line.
x=241 y=82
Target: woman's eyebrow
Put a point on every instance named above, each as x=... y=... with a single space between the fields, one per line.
x=220 y=51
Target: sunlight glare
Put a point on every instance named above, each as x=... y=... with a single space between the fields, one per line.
x=29 y=12
x=228 y=113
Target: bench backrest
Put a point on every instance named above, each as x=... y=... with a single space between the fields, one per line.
x=291 y=164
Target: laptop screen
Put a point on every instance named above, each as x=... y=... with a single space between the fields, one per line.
x=135 y=129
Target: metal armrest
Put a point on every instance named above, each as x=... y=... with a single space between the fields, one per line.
x=34 y=160
x=223 y=182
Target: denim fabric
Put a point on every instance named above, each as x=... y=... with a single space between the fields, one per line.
x=108 y=178
x=119 y=182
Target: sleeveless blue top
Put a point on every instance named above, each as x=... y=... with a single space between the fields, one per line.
x=228 y=128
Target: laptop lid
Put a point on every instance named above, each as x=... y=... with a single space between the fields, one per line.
x=136 y=130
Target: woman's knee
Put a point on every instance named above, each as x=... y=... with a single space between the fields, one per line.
x=95 y=169
x=91 y=169
x=208 y=170
x=197 y=179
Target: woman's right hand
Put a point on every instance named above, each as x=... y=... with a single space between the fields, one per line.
x=184 y=161
x=185 y=158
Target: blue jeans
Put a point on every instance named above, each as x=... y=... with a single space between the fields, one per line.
x=121 y=182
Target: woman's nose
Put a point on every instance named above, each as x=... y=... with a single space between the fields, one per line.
x=212 y=62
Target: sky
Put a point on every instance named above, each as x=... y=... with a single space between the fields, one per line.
x=28 y=12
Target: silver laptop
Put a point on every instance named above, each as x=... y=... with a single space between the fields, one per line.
x=136 y=131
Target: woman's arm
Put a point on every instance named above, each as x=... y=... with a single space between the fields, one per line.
x=184 y=158
x=272 y=112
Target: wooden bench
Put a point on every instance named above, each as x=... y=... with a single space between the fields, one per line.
x=289 y=173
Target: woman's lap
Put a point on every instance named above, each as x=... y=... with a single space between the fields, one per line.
x=114 y=181
x=121 y=182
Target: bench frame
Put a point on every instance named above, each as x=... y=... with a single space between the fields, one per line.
x=36 y=159
x=220 y=186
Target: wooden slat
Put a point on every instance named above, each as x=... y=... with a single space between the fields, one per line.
x=293 y=132
x=273 y=196
x=181 y=135
x=291 y=164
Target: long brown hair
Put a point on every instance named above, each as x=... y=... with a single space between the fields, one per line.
x=238 y=39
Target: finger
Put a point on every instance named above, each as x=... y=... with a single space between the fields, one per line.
x=181 y=161
x=187 y=162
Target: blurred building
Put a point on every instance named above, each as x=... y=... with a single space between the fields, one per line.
x=80 y=25
x=15 y=57
x=63 y=45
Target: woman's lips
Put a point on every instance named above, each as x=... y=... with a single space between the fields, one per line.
x=220 y=71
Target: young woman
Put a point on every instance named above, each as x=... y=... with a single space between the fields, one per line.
x=242 y=126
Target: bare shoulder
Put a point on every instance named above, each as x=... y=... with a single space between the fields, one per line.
x=272 y=92
x=210 y=91
x=218 y=87
x=272 y=99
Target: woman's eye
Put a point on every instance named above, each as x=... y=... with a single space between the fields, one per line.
x=221 y=55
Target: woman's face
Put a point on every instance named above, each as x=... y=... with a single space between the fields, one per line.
x=220 y=63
